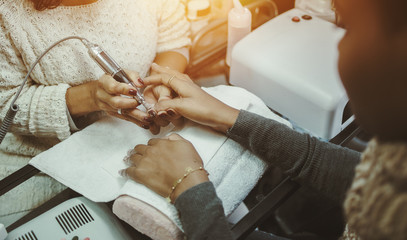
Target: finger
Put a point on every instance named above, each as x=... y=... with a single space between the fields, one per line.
x=132 y=159
x=168 y=80
x=135 y=159
x=175 y=137
x=115 y=101
x=162 y=92
x=154 y=129
x=179 y=122
x=172 y=104
x=139 y=115
x=127 y=159
x=173 y=114
x=135 y=78
x=157 y=69
x=153 y=141
x=144 y=125
x=131 y=172
x=160 y=69
x=114 y=87
x=162 y=119
x=140 y=149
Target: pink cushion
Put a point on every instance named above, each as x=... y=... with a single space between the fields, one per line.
x=146 y=219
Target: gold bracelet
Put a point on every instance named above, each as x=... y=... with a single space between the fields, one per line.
x=188 y=171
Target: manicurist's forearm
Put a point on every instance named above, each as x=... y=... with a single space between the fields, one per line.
x=321 y=165
x=201 y=213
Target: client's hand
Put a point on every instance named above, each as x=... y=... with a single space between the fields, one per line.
x=108 y=96
x=162 y=162
x=192 y=102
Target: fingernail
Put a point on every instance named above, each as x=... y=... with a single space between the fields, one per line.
x=140 y=81
x=148 y=119
x=123 y=173
x=131 y=152
x=127 y=160
x=154 y=64
x=171 y=112
x=152 y=113
x=163 y=115
x=145 y=126
x=133 y=92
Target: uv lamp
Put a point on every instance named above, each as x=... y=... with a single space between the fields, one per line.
x=290 y=62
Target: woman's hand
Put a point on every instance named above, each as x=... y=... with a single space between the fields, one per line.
x=154 y=94
x=192 y=102
x=106 y=94
x=163 y=161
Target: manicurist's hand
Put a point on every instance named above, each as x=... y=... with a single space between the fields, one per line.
x=191 y=101
x=161 y=162
x=154 y=94
x=106 y=94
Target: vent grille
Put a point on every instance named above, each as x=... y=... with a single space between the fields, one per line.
x=27 y=236
x=74 y=218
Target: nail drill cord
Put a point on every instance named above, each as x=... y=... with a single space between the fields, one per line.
x=118 y=74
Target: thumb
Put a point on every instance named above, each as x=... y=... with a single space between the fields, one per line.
x=170 y=81
x=162 y=93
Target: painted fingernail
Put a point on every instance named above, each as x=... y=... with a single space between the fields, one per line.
x=123 y=173
x=140 y=81
x=171 y=112
x=152 y=113
x=133 y=92
x=148 y=119
x=163 y=115
x=306 y=17
x=295 y=19
x=145 y=126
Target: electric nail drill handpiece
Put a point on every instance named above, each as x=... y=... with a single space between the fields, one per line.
x=110 y=66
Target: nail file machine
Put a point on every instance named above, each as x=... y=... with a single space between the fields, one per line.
x=77 y=218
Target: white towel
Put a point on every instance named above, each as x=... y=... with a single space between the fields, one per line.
x=89 y=160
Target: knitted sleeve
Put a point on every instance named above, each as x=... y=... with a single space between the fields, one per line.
x=42 y=109
x=323 y=166
x=376 y=204
x=173 y=27
x=202 y=214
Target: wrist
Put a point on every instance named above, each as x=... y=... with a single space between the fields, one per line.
x=80 y=99
x=190 y=181
x=227 y=119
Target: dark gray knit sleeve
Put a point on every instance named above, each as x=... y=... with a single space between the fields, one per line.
x=323 y=166
x=201 y=213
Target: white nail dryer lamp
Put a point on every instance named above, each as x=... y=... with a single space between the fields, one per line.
x=292 y=66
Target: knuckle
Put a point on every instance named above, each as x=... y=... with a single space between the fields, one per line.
x=149 y=151
x=114 y=102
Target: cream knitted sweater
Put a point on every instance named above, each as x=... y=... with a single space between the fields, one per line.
x=131 y=31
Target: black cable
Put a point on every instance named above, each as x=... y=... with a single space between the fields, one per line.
x=11 y=113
